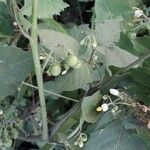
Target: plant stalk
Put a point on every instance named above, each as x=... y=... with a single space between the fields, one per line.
x=38 y=70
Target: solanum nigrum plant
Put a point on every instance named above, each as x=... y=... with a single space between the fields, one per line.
x=79 y=84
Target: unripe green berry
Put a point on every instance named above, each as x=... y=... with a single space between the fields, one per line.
x=71 y=60
x=55 y=70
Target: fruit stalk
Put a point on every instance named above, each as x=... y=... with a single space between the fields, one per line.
x=37 y=66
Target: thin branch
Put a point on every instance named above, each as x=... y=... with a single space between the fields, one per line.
x=51 y=93
x=34 y=139
x=92 y=53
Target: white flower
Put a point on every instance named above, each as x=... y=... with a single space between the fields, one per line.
x=1 y=112
x=138 y=13
x=114 y=92
x=104 y=107
x=15 y=24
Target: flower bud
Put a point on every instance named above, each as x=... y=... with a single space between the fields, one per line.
x=84 y=137
x=15 y=23
x=114 y=92
x=99 y=109
x=80 y=143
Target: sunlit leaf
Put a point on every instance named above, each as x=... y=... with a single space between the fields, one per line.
x=46 y=8
x=112 y=9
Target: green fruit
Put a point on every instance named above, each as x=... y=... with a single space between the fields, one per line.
x=78 y=65
x=55 y=70
x=71 y=60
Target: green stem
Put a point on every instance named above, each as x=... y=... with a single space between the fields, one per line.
x=38 y=70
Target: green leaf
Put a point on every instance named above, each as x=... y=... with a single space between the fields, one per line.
x=47 y=8
x=144 y=41
x=79 y=33
x=141 y=86
x=126 y=44
x=89 y=105
x=113 y=54
x=113 y=137
x=54 y=25
x=145 y=136
x=141 y=44
x=5 y=21
x=118 y=81
x=129 y=122
x=107 y=28
x=58 y=42
x=116 y=56
x=113 y=9
x=142 y=93
x=146 y=63
x=106 y=119
x=15 y=65
x=142 y=76
x=73 y=79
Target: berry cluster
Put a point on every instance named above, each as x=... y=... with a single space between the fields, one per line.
x=71 y=61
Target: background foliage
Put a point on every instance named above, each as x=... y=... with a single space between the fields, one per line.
x=112 y=44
